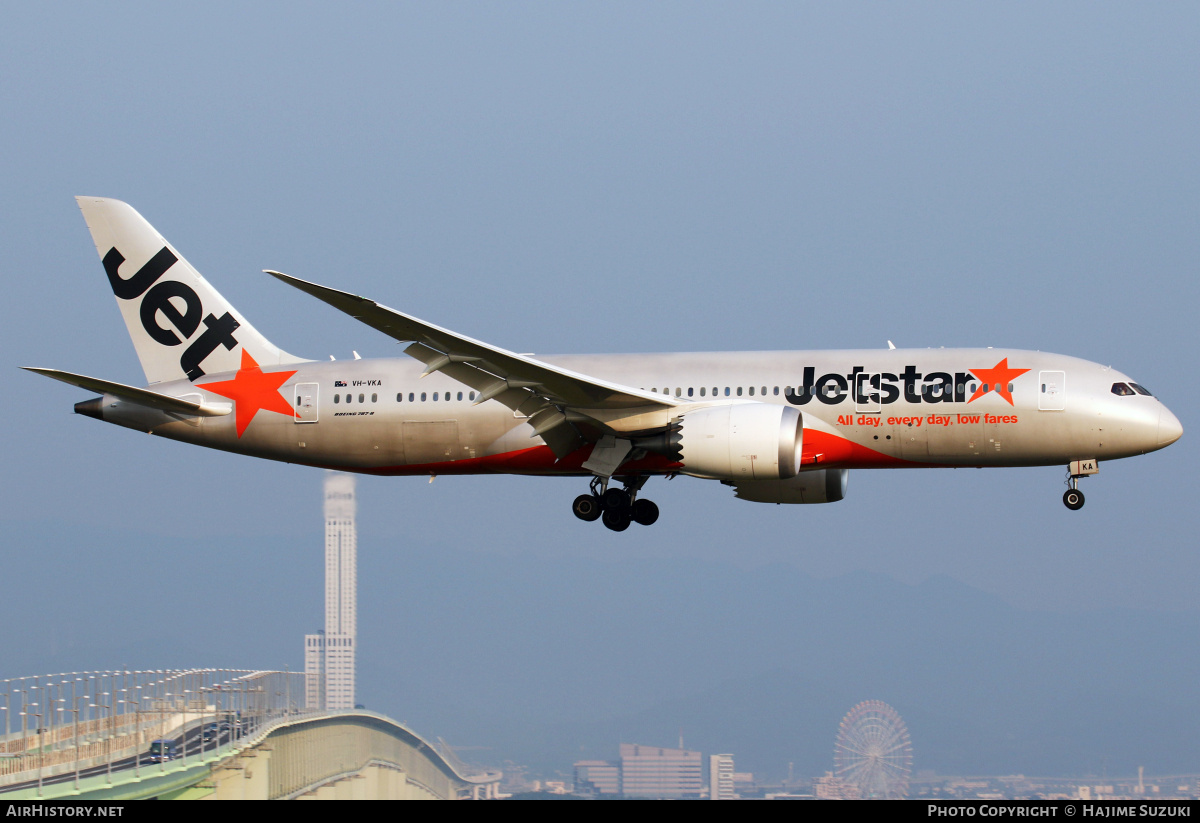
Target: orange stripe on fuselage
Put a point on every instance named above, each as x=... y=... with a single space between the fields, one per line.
x=536 y=460
x=822 y=448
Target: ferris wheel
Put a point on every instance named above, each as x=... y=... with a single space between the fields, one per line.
x=873 y=751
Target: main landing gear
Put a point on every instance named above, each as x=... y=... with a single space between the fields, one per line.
x=617 y=508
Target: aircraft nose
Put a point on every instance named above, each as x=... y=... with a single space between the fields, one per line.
x=1169 y=427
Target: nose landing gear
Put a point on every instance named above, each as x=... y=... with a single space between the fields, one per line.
x=1073 y=497
x=617 y=508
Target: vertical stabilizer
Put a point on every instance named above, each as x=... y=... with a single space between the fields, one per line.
x=181 y=326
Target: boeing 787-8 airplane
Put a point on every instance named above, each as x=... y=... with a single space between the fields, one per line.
x=779 y=427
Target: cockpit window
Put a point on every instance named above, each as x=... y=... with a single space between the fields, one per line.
x=1141 y=389
x=1121 y=390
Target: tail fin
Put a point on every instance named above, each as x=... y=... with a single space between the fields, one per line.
x=180 y=325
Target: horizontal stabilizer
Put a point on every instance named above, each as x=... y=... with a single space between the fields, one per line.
x=142 y=397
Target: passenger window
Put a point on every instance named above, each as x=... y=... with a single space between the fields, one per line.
x=739 y=393
x=360 y=399
x=702 y=390
x=764 y=391
x=400 y=397
x=410 y=397
x=472 y=395
x=335 y=398
x=460 y=395
x=776 y=392
x=751 y=391
x=422 y=397
x=689 y=391
x=374 y=398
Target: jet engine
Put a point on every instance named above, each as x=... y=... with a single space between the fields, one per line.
x=740 y=441
x=817 y=486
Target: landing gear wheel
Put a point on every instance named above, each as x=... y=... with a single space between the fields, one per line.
x=1073 y=499
x=644 y=512
x=617 y=519
x=587 y=507
x=616 y=500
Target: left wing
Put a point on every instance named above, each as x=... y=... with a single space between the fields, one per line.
x=564 y=407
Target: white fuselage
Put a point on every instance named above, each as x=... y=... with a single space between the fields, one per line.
x=860 y=409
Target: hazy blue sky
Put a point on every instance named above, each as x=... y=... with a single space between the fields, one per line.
x=615 y=177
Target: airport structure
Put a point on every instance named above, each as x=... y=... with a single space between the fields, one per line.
x=329 y=656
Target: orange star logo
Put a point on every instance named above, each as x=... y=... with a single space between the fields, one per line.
x=996 y=379
x=252 y=389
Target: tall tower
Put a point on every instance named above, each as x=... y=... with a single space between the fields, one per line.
x=329 y=656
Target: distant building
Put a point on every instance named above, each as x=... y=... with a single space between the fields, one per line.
x=314 y=667
x=650 y=771
x=329 y=656
x=720 y=777
x=835 y=788
x=598 y=777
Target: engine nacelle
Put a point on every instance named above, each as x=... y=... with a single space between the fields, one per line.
x=741 y=441
x=818 y=486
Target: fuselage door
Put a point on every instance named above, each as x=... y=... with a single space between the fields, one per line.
x=306 y=403
x=866 y=394
x=1052 y=390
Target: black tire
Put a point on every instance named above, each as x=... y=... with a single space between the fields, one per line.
x=616 y=500
x=1073 y=499
x=644 y=512
x=587 y=507
x=616 y=519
